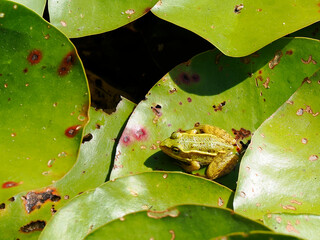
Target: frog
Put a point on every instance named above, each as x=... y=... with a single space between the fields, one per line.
x=203 y=145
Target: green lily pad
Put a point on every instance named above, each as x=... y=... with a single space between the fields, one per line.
x=231 y=93
x=280 y=170
x=239 y=28
x=256 y=235
x=302 y=225
x=152 y=190
x=83 y=18
x=36 y=5
x=180 y=222
x=44 y=101
x=90 y=171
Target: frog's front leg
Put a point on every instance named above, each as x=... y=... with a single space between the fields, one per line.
x=193 y=166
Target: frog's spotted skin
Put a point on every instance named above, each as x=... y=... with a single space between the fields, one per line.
x=203 y=145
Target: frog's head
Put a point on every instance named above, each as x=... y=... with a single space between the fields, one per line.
x=171 y=146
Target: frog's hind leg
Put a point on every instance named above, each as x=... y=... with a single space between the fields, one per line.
x=221 y=166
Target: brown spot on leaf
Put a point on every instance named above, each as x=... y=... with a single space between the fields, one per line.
x=147 y=10
x=25 y=70
x=296 y=202
x=172 y=90
x=288 y=207
x=238 y=8
x=161 y=214
x=300 y=112
x=33 y=226
x=35 y=200
x=2 y=206
x=309 y=60
x=220 y=202
x=266 y=83
x=156 y=109
x=34 y=56
x=87 y=138
x=241 y=134
x=219 y=107
x=313 y=158
x=66 y=64
x=304 y=140
x=291 y=228
x=276 y=59
x=12 y=199
x=289 y=52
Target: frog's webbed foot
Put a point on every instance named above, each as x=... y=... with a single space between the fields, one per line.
x=221 y=166
x=193 y=166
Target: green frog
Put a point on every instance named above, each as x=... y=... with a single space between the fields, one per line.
x=201 y=146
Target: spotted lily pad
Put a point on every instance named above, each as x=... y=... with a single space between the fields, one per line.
x=281 y=169
x=256 y=235
x=301 y=225
x=235 y=94
x=154 y=191
x=82 y=18
x=36 y=5
x=43 y=101
x=27 y=212
x=239 y=28
x=180 y=222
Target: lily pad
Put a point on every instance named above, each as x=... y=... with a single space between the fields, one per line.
x=83 y=18
x=36 y=5
x=231 y=25
x=44 y=101
x=302 y=225
x=256 y=235
x=230 y=93
x=180 y=222
x=21 y=212
x=154 y=191
x=281 y=169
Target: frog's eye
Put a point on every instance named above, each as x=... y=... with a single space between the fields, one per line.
x=175 y=150
x=175 y=135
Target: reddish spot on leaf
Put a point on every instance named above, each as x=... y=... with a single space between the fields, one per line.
x=195 y=77
x=125 y=139
x=140 y=134
x=66 y=64
x=9 y=184
x=260 y=71
x=185 y=78
x=189 y=99
x=25 y=70
x=34 y=56
x=289 y=52
x=72 y=131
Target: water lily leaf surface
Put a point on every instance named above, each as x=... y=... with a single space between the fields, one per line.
x=90 y=171
x=280 y=170
x=256 y=235
x=239 y=28
x=301 y=225
x=44 y=101
x=83 y=18
x=36 y=5
x=180 y=222
x=152 y=190
x=231 y=93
